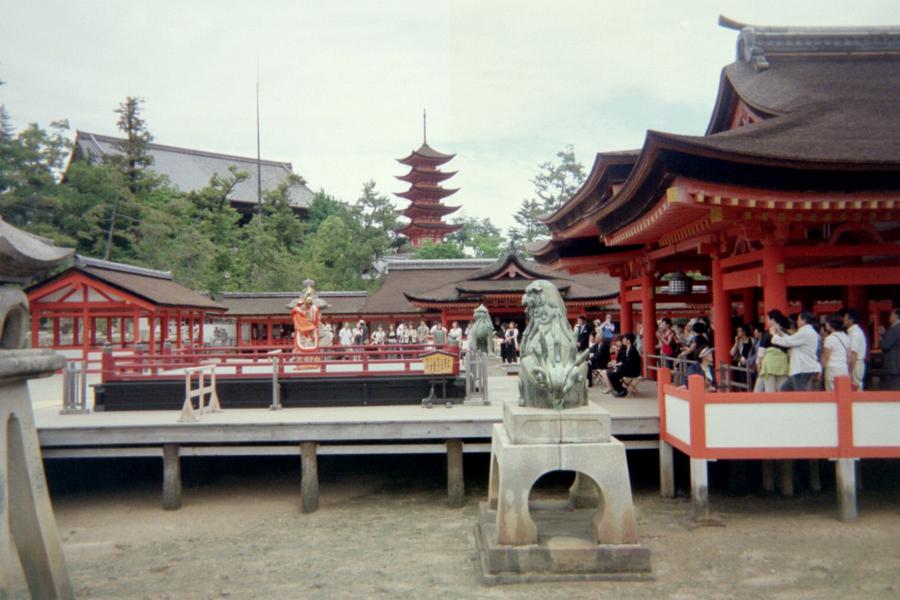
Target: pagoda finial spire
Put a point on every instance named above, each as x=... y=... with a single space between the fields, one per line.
x=424 y=128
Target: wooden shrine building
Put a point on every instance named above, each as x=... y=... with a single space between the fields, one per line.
x=790 y=199
x=95 y=302
x=501 y=285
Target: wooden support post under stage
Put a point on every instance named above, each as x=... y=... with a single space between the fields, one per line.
x=456 y=486
x=699 y=490
x=171 y=477
x=774 y=282
x=845 y=481
x=666 y=470
x=309 y=477
x=748 y=299
x=721 y=307
x=648 y=320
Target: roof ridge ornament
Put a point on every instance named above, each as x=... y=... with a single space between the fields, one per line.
x=757 y=44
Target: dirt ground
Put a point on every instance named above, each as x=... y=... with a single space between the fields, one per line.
x=383 y=531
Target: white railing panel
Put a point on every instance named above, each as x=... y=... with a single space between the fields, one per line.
x=772 y=425
x=876 y=424
x=678 y=418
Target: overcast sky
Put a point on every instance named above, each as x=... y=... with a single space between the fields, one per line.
x=343 y=84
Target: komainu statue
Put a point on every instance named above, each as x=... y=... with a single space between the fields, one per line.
x=553 y=374
x=481 y=334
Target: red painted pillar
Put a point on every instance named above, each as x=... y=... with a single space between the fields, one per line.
x=748 y=299
x=136 y=334
x=178 y=328
x=857 y=298
x=626 y=315
x=202 y=318
x=35 y=329
x=269 y=340
x=648 y=319
x=237 y=331
x=151 y=320
x=774 y=283
x=56 y=332
x=191 y=329
x=122 y=331
x=721 y=307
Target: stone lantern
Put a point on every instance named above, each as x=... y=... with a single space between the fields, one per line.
x=28 y=533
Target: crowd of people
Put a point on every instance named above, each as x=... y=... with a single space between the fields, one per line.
x=798 y=352
x=359 y=334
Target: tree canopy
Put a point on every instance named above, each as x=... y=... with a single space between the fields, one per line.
x=554 y=184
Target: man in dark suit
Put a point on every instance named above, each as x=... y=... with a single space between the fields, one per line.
x=628 y=364
x=582 y=334
x=599 y=356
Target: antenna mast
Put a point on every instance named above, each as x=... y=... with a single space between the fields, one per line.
x=259 y=204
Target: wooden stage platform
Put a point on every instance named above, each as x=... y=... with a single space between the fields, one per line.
x=357 y=430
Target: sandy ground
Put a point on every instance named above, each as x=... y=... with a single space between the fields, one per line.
x=383 y=531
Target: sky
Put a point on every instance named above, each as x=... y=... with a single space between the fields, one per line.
x=343 y=85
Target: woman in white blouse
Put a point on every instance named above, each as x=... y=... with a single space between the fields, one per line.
x=835 y=351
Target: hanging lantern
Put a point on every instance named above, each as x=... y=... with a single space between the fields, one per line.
x=680 y=284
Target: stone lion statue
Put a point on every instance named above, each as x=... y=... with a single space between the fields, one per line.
x=553 y=374
x=481 y=334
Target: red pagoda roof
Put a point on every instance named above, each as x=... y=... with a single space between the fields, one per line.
x=425 y=155
x=429 y=209
x=419 y=174
x=419 y=191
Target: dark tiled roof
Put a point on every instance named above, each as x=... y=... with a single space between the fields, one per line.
x=824 y=110
x=490 y=279
x=390 y=296
x=190 y=170
x=164 y=292
x=277 y=303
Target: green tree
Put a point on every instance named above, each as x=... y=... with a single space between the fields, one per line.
x=554 y=184
x=332 y=256
x=135 y=158
x=446 y=249
x=376 y=218
x=478 y=237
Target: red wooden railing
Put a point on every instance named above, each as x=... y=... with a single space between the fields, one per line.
x=843 y=423
x=255 y=362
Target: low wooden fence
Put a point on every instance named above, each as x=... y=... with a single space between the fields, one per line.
x=843 y=425
x=260 y=362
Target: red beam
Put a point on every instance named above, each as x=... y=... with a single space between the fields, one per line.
x=742 y=279
x=846 y=276
x=842 y=251
x=742 y=259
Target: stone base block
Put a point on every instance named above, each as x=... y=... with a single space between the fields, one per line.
x=585 y=424
x=565 y=551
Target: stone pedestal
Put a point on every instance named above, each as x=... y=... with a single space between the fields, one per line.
x=567 y=541
x=27 y=527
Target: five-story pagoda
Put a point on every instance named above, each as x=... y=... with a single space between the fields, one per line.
x=425 y=210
